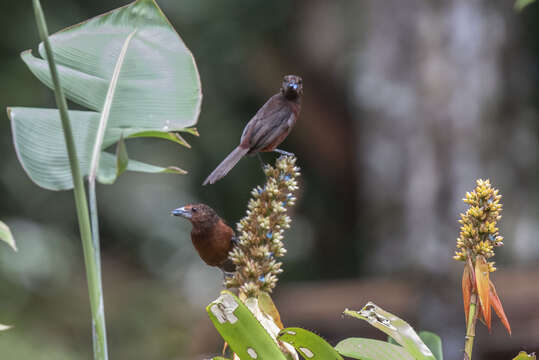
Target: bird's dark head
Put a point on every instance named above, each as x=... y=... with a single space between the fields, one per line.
x=292 y=87
x=197 y=213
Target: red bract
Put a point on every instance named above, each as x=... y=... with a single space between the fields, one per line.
x=482 y=281
x=478 y=282
x=498 y=308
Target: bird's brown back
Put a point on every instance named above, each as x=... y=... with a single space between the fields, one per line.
x=271 y=124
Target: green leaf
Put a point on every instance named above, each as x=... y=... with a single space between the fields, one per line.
x=121 y=157
x=40 y=147
x=370 y=349
x=175 y=137
x=7 y=236
x=240 y=329
x=191 y=130
x=219 y=358
x=524 y=356
x=521 y=4
x=107 y=168
x=433 y=342
x=266 y=304
x=395 y=327
x=308 y=344
x=133 y=73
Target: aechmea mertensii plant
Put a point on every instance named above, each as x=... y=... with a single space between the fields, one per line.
x=260 y=232
x=479 y=236
x=255 y=255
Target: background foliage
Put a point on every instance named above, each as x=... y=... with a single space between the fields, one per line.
x=405 y=106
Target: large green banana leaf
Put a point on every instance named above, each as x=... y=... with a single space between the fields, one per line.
x=132 y=71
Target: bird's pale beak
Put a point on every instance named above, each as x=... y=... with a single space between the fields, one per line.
x=183 y=212
x=293 y=86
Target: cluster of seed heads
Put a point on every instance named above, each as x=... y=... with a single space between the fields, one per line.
x=479 y=234
x=260 y=232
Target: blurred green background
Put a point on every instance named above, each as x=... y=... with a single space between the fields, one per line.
x=406 y=104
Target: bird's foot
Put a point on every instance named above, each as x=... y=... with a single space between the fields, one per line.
x=282 y=152
x=262 y=164
x=227 y=274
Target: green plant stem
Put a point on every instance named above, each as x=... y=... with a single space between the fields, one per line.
x=470 y=328
x=93 y=272
x=99 y=318
x=99 y=328
x=92 y=200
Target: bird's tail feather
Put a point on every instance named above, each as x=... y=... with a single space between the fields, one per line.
x=226 y=165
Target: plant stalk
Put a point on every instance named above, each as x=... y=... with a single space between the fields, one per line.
x=470 y=327
x=98 y=321
x=91 y=253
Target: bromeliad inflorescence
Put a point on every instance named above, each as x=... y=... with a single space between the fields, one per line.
x=260 y=232
x=479 y=234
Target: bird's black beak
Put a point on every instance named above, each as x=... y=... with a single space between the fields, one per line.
x=183 y=212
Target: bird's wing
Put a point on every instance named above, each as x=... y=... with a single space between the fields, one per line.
x=273 y=132
x=268 y=110
x=267 y=125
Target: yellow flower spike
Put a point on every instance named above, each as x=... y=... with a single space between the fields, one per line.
x=479 y=231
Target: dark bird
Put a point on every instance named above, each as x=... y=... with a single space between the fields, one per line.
x=212 y=238
x=268 y=128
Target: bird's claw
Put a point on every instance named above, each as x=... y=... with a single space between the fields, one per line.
x=227 y=274
x=262 y=164
x=282 y=152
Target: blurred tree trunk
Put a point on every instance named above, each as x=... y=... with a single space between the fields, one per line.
x=436 y=85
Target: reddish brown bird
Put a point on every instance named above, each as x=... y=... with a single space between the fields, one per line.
x=212 y=238
x=268 y=128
